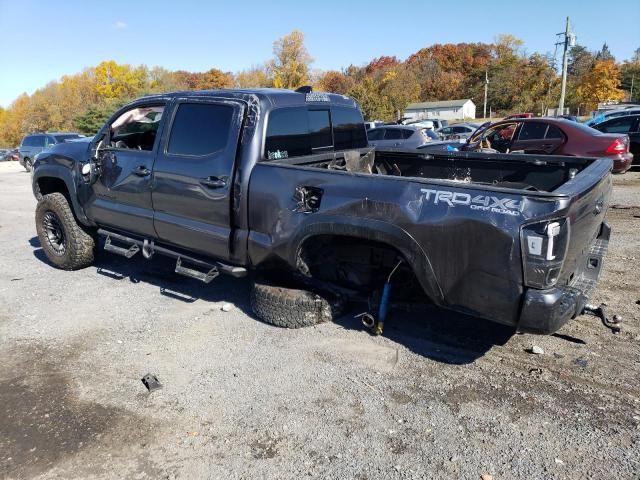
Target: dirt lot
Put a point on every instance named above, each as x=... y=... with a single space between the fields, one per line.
x=439 y=396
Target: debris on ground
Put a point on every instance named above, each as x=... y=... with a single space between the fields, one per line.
x=536 y=350
x=486 y=476
x=151 y=382
x=559 y=462
x=227 y=307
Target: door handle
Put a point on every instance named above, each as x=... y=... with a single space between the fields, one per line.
x=214 y=182
x=142 y=171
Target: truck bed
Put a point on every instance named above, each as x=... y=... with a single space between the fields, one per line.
x=520 y=172
x=456 y=217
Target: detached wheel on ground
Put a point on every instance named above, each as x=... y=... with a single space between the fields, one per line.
x=67 y=244
x=293 y=307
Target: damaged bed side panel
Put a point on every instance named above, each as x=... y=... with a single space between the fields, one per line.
x=462 y=243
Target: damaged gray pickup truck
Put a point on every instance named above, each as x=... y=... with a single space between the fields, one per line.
x=231 y=181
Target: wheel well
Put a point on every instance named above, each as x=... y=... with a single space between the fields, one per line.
x=354 y=263
x=48 y=185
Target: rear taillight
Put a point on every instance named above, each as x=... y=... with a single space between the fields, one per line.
x=544 y=246
x=618 y=146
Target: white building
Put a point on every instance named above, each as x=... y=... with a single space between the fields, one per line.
x=446 y=110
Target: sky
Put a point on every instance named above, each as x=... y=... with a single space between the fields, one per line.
x=43 y=40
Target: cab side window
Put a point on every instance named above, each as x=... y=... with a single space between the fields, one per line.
x=200 y=129
x=137 y=128
x=532 y=131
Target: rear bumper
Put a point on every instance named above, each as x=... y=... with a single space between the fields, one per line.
x=622 y=162
x=546 y=311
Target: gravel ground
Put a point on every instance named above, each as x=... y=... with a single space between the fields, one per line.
x=440 y=395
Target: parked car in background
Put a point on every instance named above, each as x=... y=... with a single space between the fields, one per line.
x=14 y=155
x=573 y=118
x=548 y=136
x=406 y=136
x=519 y=115
x=602 y=117
x=629 y=125
x=35 y=143
x=436 y=122
x=4 y=155
x=370 y=125
x=459 y=131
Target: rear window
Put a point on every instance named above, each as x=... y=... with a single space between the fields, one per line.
x=294 y=132
x=320 y=129
x=200 y=129
x=348 y=129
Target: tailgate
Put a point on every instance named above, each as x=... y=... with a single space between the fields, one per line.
x=590 y=193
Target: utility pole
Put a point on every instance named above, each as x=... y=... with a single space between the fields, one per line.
x=633 y=77
x=486 y=88
x=569 y=40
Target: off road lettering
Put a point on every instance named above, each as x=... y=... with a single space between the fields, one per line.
x=486 y=203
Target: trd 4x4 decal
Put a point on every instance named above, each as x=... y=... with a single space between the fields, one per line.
x=486 y=203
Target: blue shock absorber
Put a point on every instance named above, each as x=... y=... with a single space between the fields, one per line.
x=384 y=307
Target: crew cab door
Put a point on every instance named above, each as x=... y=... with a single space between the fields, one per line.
x=193 y=175
x=121 y=196
x=538 y=137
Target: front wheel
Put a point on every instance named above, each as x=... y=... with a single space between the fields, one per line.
x=67 y=245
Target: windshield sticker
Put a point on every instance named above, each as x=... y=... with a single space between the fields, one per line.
x=278 y=154
x=485 y=203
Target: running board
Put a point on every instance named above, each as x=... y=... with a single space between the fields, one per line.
x=205 y=277
x=124 y=251
x=136 y=244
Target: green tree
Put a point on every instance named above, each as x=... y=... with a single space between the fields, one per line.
x=605 y=54
x=95 y=116
x=374 y=106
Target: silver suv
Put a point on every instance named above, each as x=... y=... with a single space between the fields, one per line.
x=34 y=143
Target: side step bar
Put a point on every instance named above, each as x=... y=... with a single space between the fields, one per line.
x=205 y=277
x=125 y=252
x=212 y=269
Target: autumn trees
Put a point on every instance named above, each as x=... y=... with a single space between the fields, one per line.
x=383 y=87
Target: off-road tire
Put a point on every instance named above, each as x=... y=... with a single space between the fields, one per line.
x=293 y=307
x=79 y=245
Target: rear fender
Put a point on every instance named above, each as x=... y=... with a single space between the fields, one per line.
x=373 y=230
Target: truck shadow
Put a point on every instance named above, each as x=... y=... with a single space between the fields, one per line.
x=160 y=272
x=438 y=334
